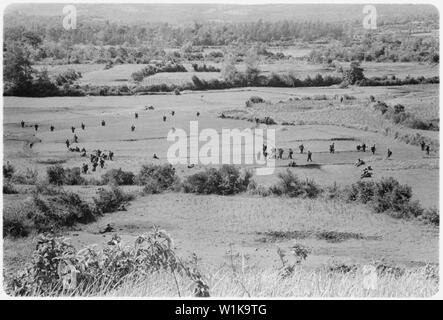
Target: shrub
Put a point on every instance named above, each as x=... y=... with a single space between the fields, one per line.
x=157 y=177
x=389 y=194
x=46 y=213
x=62 y=210
x=361 y=191
x=111 y=200
x=8 y=188
x=8 y=171
x=118 y=177
x=29 y=177
x=381 y=106
x=56 y=268
x=431 y=216
x=224 y=181
x=15 y=221
x=289 y=184
x=72 y=176
x=56 y=174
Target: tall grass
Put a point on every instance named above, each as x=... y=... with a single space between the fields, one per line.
x=320 y=282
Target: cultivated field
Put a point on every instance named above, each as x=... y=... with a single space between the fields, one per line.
x=218 y=228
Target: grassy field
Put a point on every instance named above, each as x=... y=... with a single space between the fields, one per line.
x=216 y=227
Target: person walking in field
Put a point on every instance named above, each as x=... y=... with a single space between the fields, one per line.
x=132 y=128
x=172 y=113
x=83 y=126
x=423 y=145
x=52 y=128
x=111 y=155
x=103 y=123
x=428 y=149
x=363 y=147
x=67 y=143
x=301 y=147
x=332 y=148
x=280 y=153
x=389 y=153
x=102 y=163
x=72 y=129
x=291 y=152
x=309 y=156
x=23 y=124
x=309 y=159
x=85 y=168
x=36 y=127
x=75 y=138
x=164 y=118
x=31 y=145
x=373 y=149
x=136 y=115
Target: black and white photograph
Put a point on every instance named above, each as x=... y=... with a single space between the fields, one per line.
x=220 y=150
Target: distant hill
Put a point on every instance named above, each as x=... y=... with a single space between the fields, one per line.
x=188 y=13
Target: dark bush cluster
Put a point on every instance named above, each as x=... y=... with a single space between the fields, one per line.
x=290 y=185
x=254 y=99
x=152 y=69
x=52 y=209
x=47 y=213
x=157 y=178
x=110 y=200
x=394 y=81
x=57 y=268
x=58 y=175
x=226 y=180
x=398 y=115
x=118 y=177
x=388 y=195
x=204 y=68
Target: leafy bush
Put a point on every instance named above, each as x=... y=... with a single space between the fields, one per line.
x=56 y=174
x=157 y=178
x=111 y=200
x=224 y=181
x=289 y=184
x=62 y=210
x=56 y=268
x=204 y=68
x=254 y=99
x=73 y=177
x=29 y=177
x=8 y=171
x=388 y=195
x=431 y=216
x=118 y=177
x=47 y=213
x=8 y=188
x=15 y=221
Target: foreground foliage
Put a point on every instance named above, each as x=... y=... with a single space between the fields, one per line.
x=57 y=268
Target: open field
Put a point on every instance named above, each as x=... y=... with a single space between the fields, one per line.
x=218 y=228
